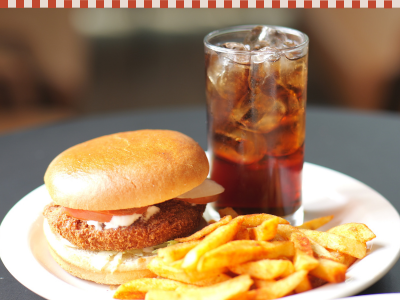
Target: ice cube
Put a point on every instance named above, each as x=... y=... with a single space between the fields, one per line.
x=288 y=137
x=255 y=36
x=289 y=43
x=271 y=117
x=275 y=38
x=287 y=97
x=279 y=81
x=296 y=52
x=294 y=75
x=239 y=58
x=217 y=107
x=262 y=37
x=258 y=112
x=236 y=46
x=229 y=79
x=238 y=146
x=264 y=75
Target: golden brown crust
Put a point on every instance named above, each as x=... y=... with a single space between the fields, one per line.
x=127 y=169
x=100 y=276
x=175 y=219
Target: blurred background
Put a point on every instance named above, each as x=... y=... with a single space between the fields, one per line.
x=57 y=64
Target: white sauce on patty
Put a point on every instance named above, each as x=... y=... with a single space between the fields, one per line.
x=124 y=221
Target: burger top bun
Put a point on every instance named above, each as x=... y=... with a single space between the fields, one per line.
x=125 y=170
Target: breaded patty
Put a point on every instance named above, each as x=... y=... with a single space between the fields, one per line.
x=175 y=219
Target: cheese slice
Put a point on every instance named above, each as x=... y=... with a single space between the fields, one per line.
x=206 y=189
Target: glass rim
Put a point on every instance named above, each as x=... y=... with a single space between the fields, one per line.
x=254 y=52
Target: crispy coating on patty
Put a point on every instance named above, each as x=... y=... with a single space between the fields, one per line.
x=175 y=219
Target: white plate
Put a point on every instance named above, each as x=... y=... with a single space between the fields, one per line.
x=325 y=192
x=394 y=296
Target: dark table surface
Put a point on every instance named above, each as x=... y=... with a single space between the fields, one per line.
x=365 y=146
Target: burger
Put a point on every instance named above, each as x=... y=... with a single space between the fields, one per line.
x=118 y=198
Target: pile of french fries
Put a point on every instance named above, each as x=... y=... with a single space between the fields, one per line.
x=256 y=256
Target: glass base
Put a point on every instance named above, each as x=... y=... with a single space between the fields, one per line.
x=295 y=219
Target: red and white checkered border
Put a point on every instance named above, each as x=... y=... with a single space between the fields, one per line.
x=199 y=4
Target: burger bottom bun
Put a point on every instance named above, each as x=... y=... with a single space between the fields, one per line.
x=115 y=278
x=104 y=267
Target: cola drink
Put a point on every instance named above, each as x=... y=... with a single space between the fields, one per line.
x=256 y=89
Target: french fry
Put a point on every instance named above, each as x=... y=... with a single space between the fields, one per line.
x=342 y=258
x=237 y=285
x=300 y=240
x=128 y=295
x=286 y=230
x=206 y=230
x=216 y=238
x=304 y=255
x=176 y=264
x=160 y=268
x=315 y=281
x=265 y=231
x=160 y=294
x=301 y=243
x=137 y=289
x=232 y=253
x=221 y=291
x=303 y=261
x=278 y=238
x=316 y=223
x=249 y=295
x=330 y=271
x=176 y=252
x=275 y=250
x=309 y=246
x=304 y=286
x=320 y=251
x=257 y=219
x=265 y=269
x=238 y=252
x=209 y=281
x=357 y=231
x=203 y=278
x=228 y=211
x=243 y=233
x=282 y=259
x=275 y=289
x=337 y=242
x=348 y=260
